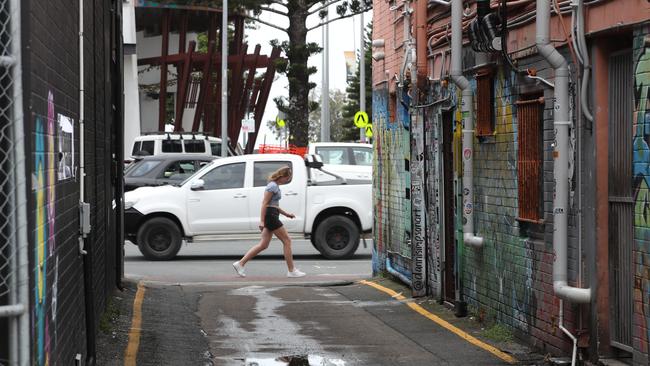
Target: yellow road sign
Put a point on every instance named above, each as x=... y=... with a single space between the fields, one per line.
x=368 y=130
x=361 y=119
x=280 y=122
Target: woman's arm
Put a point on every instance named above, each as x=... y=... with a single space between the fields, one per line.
x=285 y=213
x=265 y=202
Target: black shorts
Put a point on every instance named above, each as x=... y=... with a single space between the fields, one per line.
x=272 y=219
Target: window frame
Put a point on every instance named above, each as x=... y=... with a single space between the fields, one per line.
x=243 y=185
x=530 y=158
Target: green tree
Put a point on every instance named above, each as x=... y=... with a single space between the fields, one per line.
x=297 y=50
x=352 y=105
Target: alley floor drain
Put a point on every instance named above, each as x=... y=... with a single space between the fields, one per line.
x=309 y=360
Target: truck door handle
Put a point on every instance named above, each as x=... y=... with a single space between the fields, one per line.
x=239 y=195
x=291 y=194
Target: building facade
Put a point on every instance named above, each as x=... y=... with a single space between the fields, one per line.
x=61 y=139
x=510 y=170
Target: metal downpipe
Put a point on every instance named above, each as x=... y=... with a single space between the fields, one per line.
x=561 y=124
x=467 y=112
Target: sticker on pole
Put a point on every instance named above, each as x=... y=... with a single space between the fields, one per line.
x=368 y=131
x=361 y=119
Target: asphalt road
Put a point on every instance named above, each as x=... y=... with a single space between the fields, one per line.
x=210 y=262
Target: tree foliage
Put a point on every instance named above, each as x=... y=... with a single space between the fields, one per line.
x=352 y=105
x=297 y=50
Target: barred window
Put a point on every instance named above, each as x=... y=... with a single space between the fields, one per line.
x=529 y=157
x=484 y=102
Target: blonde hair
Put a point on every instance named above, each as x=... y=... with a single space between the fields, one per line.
x=285 y=171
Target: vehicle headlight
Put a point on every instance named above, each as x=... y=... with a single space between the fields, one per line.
x=128 y=203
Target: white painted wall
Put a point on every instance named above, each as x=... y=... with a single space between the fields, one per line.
x=131 y=97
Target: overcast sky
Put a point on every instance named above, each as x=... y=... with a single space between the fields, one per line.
x=343 y=36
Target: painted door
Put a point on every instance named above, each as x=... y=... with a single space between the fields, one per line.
x=621 y=199
x=449 y=268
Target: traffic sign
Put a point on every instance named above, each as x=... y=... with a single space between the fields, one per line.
x=279 y=121
x=361 y=119
x=368 y=131
x=248 y=125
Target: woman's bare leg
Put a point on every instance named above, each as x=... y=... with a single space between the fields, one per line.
x=281 y=233
x=262 y=245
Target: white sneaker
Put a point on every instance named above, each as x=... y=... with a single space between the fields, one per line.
x=295 y=273
x=239 y=269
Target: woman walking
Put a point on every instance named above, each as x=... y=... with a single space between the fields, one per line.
x=270 y=224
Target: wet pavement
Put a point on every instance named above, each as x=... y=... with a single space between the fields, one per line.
x=283 y=324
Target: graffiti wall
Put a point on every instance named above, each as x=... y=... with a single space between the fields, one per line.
x=392 y=183
x=44 y=191
x=641 y=255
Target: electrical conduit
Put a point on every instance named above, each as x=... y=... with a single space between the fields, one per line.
x=467 y=110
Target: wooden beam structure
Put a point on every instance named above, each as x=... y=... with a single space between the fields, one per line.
x=248 y=88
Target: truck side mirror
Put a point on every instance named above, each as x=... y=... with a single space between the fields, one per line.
x=313 y=161
x=197 y=185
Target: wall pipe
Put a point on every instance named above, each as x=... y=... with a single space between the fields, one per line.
x=574 y=339
x=586 y=64
x=561 y=124
x=467 y=110
x=23 y=342
x=87 y=259
x=421 y=41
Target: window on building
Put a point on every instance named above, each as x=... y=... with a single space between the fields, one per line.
x=529 y=157
x=484 y=102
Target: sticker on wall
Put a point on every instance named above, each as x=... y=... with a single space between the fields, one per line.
x=65 y=150
x=467 y=154
x=468 y=208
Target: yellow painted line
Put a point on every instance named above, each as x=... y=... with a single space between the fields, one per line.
x=136 y=326
x=441 y=322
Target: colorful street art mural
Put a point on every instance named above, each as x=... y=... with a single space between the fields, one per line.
x=44 y=191
x=392 y=183
x=501 y=274
x=641 y=326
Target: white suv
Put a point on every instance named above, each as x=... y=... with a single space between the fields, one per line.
x=175 y=143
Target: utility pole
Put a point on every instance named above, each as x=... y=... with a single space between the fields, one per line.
x=362 y=75
x=325 y=89
x=224 y=79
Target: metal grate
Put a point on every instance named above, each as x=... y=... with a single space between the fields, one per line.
x=484 y=106
x=14 y=331
x=529 y=158
x=621 y=199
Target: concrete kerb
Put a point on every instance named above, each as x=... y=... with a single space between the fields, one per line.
x=523 y=354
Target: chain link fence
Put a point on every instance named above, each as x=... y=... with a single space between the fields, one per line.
x=14 y=337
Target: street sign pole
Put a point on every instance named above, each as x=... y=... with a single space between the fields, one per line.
x=224 y=79
x=362 y=76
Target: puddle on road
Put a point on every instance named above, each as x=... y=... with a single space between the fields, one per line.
x=309 y=360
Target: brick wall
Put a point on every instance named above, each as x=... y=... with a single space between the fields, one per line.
x=51 y=92
x=392 y=149
x=641 y=253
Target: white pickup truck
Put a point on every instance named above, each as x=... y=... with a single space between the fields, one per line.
x=223 y=199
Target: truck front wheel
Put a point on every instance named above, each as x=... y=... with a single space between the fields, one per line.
x=159 y=239
x=337 y=237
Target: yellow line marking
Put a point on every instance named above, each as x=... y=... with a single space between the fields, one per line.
x=441 y=322
x=136 y=324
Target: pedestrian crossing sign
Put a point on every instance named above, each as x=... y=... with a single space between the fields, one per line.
x=361 y=119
